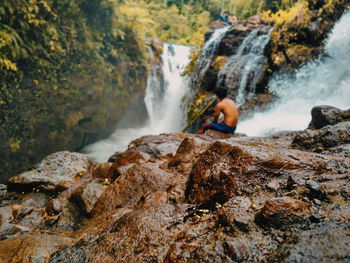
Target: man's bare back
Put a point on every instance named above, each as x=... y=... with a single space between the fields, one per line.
x=230 y=111
x=228 y=108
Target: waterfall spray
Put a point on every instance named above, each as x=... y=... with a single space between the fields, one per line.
x=163 y=102
x=326 y=81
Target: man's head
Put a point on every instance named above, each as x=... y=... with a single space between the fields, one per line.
x=221 y=93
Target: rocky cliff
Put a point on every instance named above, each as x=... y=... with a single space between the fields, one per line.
x=250 y=52
x=189 y=198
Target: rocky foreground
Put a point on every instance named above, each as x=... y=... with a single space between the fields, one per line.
x=189 y=198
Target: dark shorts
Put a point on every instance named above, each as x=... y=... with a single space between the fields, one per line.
x=220 y=126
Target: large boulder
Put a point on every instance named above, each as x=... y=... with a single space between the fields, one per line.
x=132 y=186
x=327 y=115
x=324 y=138
x=56 y=172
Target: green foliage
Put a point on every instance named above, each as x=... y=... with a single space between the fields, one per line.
x=68 y=69
x=292 y=41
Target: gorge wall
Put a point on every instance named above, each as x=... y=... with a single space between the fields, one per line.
x=68 y=72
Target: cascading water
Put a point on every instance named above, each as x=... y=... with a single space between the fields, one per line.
x=208 y=52
x=243 y=70
x=325 y=81
x=163 y=104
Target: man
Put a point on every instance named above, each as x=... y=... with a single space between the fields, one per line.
x=228 y=108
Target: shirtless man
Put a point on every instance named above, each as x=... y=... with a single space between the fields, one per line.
x=228 y=108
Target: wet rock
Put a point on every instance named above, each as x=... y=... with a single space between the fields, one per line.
x=6 y=228
x=101 y=171
x=53 y=207
x=87 y=195
x=157 y=146
x=230 y=168
x=259 y=102
x=327 y=115
x=33 y=247
x=70 y=218
x=131 y=186
x=69 y=255
x=212 y=178
x=237 y=251
x=315 y=190
x=274 y=185
x=324 y=138
x=118 y=213
x=339 y=151
x=3 y=190
x=187 y=153
x=176 y=193
x=8 y=248
x=327 y=243
x=283 y=211
x=56 y=172
x=122 y=162
x=235 y=212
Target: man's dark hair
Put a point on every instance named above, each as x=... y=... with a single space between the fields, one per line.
x=221 y=92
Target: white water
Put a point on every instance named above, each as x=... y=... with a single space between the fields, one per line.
x=165 y=112
x=323 y=82
x=245 y=67
x=208 y=51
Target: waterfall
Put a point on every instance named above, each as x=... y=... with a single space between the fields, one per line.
x=325 y=81
x=208 y=52
x=244 y=70
x=163 y=101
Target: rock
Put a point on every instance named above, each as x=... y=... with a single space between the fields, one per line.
x=56 y=172
x=8 y=248
x=69 y=255
x=339 y=151
x=281 y=212
x=69 y=219
x=259 y=102
x=87 y=195
x=237 y=251
x=6 y=228
x=131 y=186
x=32 y=247
x=53 y=207
x=122 y=162
x=230 y=168
x=327 y=243
x=316 y=191
x=235 y=212
x=327 y=115
x=274 y=185
x=3 y=190
x=157 y=146
x=324 y=138
x=101 y=171
x=124 y=158
x=187 y=153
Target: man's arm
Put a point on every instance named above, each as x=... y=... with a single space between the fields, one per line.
x=217 y=112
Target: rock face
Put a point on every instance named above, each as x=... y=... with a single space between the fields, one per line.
x=327 y=115
x=328 y=132
x=56 y=172
x=187 y=198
